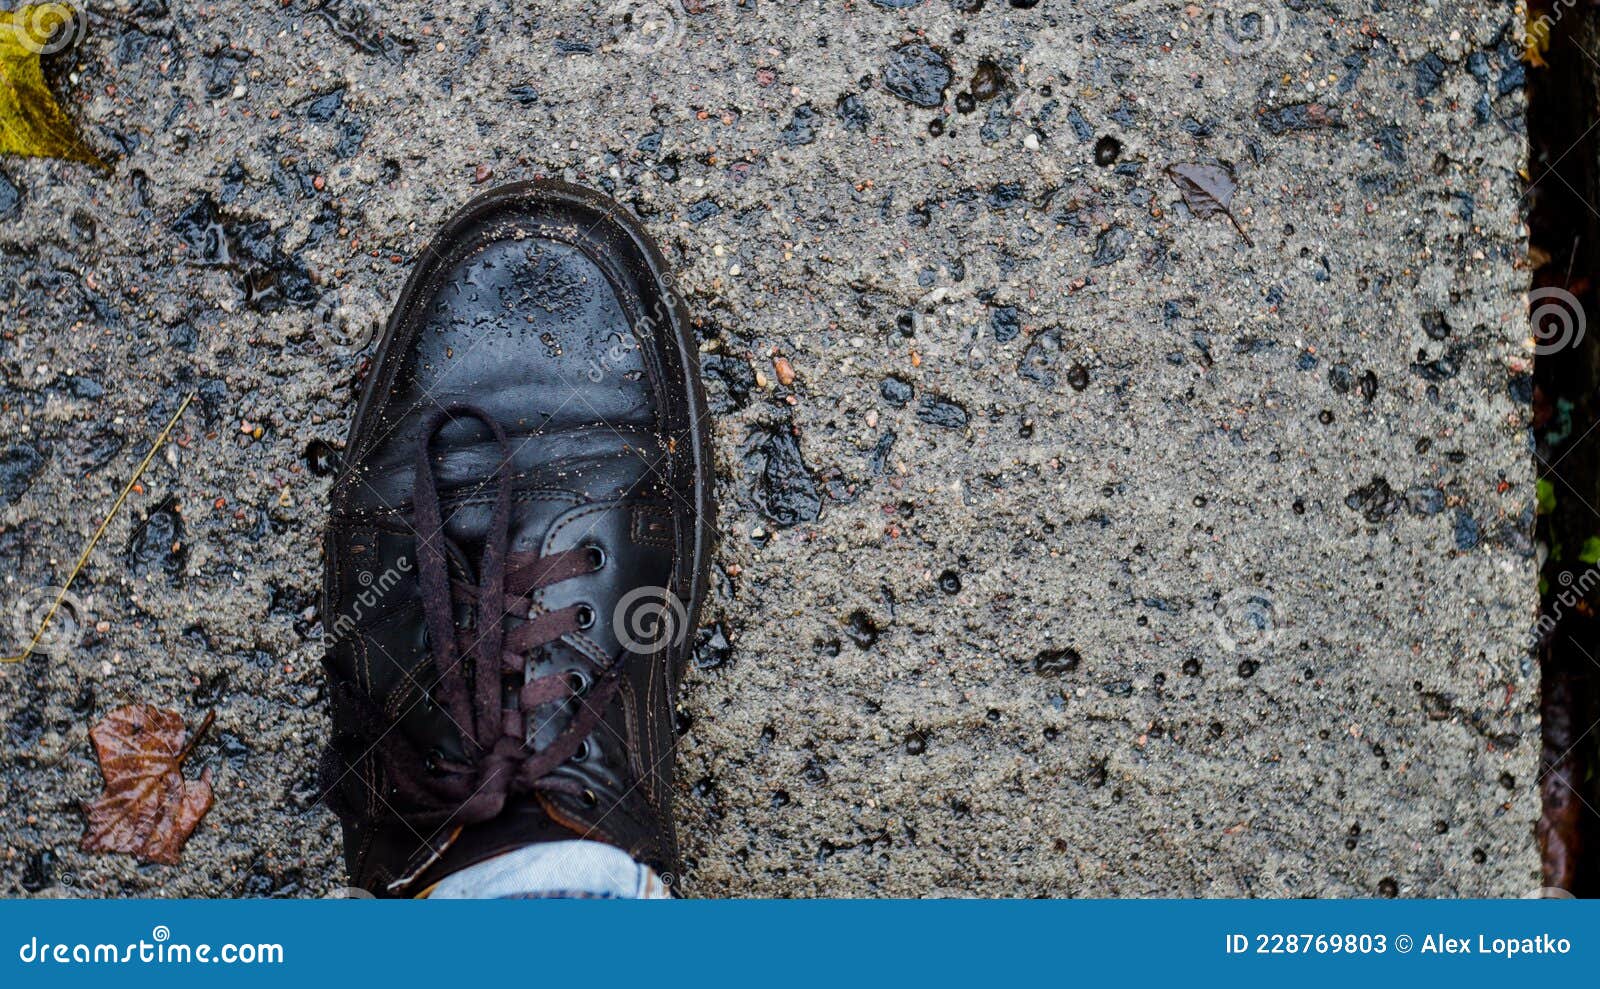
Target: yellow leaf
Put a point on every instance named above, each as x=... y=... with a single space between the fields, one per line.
x=1537 y=40
x=31 y=121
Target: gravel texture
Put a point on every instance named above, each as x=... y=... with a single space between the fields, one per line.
x=1089 y=551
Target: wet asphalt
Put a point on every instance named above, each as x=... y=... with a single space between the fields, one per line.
x=1071 y=544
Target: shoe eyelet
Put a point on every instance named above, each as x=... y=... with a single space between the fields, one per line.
x=597 y=554
x=578 y=681
x=582 y=755
x=585 y=617
x=432 y=763
x=589 y=798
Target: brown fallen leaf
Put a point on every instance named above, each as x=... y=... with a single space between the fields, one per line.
x=148 y=809
x=31 y=121
x=1207 y=190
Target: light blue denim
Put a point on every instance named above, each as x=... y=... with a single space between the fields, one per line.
x=558 y=870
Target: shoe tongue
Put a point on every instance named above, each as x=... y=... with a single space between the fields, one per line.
x=550 y=475
x=594 y=462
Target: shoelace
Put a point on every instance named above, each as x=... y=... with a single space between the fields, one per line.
x=472 y=664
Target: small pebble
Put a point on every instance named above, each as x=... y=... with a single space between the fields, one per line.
x=784 y=369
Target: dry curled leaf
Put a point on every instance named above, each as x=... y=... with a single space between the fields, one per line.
x=31 y=121
x=1539 y=19
x=1207 y=190
x=148 y=808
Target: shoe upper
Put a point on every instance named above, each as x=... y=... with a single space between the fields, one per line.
x=516 y=549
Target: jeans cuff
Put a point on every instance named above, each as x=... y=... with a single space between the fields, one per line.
x=560 y=870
